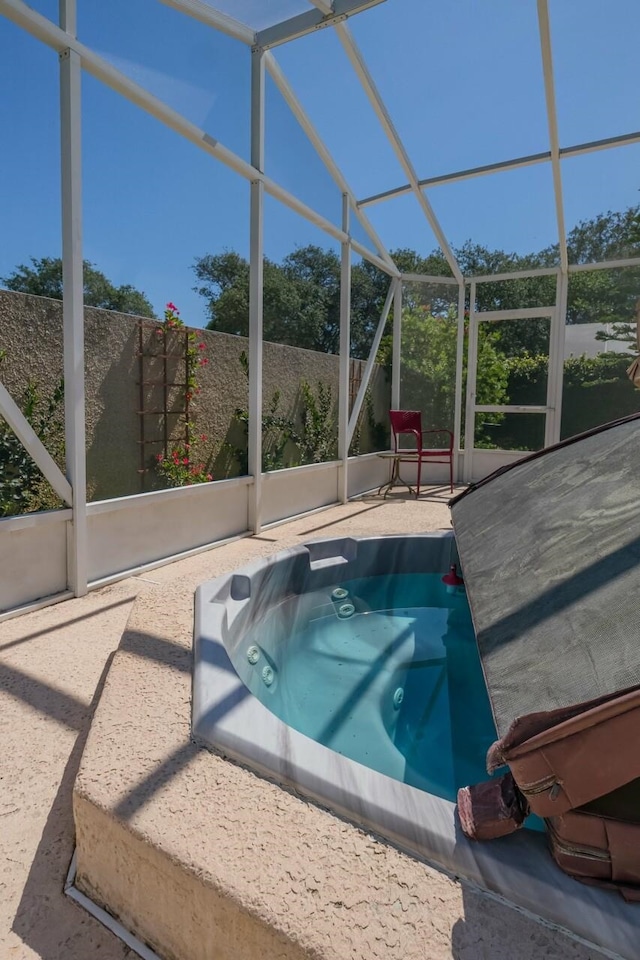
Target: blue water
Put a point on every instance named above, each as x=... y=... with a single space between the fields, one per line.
x=397 y=686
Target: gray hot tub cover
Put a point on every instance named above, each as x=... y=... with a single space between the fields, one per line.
x=550 y=552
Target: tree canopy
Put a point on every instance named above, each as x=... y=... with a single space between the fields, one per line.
x=44 y=279
x=301 y=300
x=302 y=293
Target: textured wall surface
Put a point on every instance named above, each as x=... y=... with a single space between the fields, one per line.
x=31 y=335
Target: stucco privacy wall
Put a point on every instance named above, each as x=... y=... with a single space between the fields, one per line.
x=31 y=335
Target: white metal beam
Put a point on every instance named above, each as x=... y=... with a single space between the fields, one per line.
x=396 y=350
x=472 y=364
x=34 y=446
x=345 y=355
x=208 y=15
x=42 y=28
x=605 y=265
x=578 y=150
x=556 y=363
x=456 y=176
x=310 y=21
x=515 y=275
x=362 y=72
x=256 y=276
x=509 y=408
x=523 y=313
x=592 y=146
x=425 y=278
x=457 y=404
x=371 y=359
x=73 y=302
x=552 y=121
x=301 y=116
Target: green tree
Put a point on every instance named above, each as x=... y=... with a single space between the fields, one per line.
x=302 y=294
x=603 y=296
x=44 y=279
x=301 y=304
x=429 y=369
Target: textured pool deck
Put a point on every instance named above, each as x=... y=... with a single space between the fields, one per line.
x=288 y=878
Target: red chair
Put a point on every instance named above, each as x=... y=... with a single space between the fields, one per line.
x=405 y=422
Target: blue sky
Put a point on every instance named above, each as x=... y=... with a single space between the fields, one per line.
x=463 y=83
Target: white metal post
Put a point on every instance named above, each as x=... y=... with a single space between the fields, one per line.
x=73 y=302
x=345 y=354
x=256 y=258
x=396 y=352
x=556 y=362
x=457 y=409
x=472 y=362
x=552 y=122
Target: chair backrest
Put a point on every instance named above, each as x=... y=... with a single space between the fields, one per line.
x=406 y=421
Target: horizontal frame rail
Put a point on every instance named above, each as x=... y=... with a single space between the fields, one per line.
x=515 y=275
x=578 y=150
x=424 y=278
x=510 y=408
x=525 y=313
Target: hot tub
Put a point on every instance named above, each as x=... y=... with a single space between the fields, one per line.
x=344 y=670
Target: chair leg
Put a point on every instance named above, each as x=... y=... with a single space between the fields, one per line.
x=451 y=473
x=419 y=472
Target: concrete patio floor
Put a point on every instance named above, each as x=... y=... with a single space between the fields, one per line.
x=53 y=663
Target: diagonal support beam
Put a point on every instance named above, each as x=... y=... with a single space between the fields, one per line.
x=34 y=446
x=301 y=116
x=362 y=71
x=311 y=20
x=368 y=370
x=552 y=121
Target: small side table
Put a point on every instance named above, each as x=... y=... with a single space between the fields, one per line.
x=395 y=479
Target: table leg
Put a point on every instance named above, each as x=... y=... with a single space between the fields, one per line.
x=396 y=480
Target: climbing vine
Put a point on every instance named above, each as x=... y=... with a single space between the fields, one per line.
x=182 y=464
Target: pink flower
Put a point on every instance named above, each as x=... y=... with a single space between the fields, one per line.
x=203 y=437
x=159 y=457
x=185 y=460
x=202 y=346
x=209 y=477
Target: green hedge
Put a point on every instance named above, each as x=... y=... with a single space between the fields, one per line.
x=596 y=390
